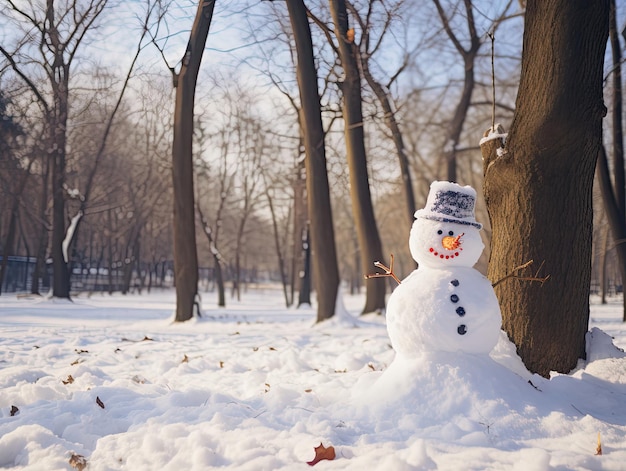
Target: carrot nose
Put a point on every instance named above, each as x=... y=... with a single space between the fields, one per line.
x=451 y=243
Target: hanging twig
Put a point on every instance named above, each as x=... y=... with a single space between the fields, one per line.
x=493 y=82
x=388 y=271
x=536 y=277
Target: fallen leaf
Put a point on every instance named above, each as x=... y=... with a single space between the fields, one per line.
x=185 y=359
x=599 y=447
x=146 y=338
x=81 y=351
x=14 y=411
x=308 y=390
x=221 y=364
x=99 y=402
x=372 y=367
x=76 y=362
x=322 y=453
x=272 y=349
x=78 y=461
x=69 y=380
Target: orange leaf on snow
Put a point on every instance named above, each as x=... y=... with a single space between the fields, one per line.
x=322 y=453
x=599 y=447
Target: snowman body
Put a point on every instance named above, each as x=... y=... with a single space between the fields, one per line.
x=446 y=309
x=445 y=304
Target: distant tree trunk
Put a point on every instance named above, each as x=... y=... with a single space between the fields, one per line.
x=185 y=251
x=604 y=257
x=279 y=250
x=382 y=94
x=369 y=239
x=538 y=188
x=9 y=242
x=324 y=252
x=217 y=258
x=616 y=219
x=300 y=217
x=614 y=195
x=304 y=294
x=42 y=236
x=469 y=56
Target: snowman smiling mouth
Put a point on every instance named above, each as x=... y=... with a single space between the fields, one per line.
x=450 y=243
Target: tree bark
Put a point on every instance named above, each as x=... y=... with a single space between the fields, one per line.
x=185 y=251
x=326 y=271
x=538 y=188
x=367 y=232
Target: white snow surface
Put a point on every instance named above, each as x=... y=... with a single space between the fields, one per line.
x=257 y=386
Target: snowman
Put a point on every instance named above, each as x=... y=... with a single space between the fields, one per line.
x=445 y=305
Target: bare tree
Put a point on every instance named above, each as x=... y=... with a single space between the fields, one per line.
x=366 y=50
x=60 y=35
x=185 y=252
x=367 y=231
x=538 y=187
x=325 y=272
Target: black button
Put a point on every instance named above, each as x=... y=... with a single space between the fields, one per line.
x=460 y=311
x=454 y=298
x=454 y=282
x=462 y=330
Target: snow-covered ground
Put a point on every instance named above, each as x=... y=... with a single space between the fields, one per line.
x=257 y=386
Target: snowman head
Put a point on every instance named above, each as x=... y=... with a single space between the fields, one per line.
x=445 y=244
x=445 y=232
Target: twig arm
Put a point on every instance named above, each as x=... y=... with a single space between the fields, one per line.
x=388 y=271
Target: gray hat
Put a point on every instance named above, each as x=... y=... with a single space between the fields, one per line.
x=449 y=202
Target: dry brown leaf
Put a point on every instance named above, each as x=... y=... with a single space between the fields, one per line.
x=308 y=390
x=185 y=359
x=221 y=364
x=14 y=411
x=76 y=362
x=599 y=447
x=69 y=380
x=78 y=461
x=350 y=35
x=322 y=453
x=99 y=402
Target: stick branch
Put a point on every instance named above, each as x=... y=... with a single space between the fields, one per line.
x=388 y=271
x=513 y=274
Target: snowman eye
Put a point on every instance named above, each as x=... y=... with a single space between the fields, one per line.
x=451 y=233
x=439 y=232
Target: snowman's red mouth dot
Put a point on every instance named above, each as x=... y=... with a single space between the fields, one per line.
x=444 y=256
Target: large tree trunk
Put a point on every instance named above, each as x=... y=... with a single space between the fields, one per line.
x=539 y=189
x=185 y=251
x=325 y=271
x=365 y=221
